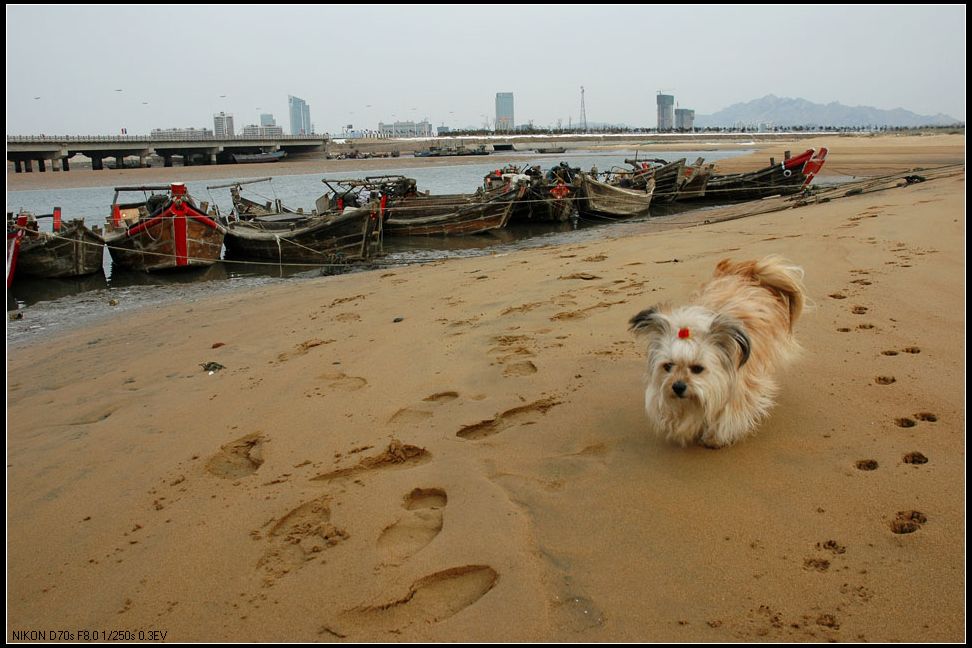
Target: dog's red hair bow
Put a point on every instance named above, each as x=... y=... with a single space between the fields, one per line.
x=683 y=333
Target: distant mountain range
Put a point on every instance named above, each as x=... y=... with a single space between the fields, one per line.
x=785 y=112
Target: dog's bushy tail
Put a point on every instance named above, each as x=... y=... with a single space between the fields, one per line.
x=774 y=273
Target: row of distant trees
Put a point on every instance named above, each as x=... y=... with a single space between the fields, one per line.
x=710 y=129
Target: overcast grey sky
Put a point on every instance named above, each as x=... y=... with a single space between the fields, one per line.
x=98 y=69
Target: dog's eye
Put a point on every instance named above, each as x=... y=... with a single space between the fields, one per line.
x=697 y=369
x=668 y=367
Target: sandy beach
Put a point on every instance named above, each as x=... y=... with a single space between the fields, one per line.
x=457 y=451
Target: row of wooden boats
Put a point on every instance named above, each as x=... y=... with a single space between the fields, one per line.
x=451 y=151
x=169 y=229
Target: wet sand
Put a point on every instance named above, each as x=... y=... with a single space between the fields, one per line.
x=457 y=451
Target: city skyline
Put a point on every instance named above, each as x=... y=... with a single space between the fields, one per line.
x=851 y=55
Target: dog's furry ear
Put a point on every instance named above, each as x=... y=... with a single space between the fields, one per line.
x=728 y=334
x=649 y=321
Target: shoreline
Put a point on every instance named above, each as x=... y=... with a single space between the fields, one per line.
x=457 y=451
x=872 y=155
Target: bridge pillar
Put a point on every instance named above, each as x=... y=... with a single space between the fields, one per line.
x=41 y=165
x=212 y=158
x=96 y=163
x=28 y=165
x=65 y=166
x=166 y=160
x=18 y=167
x=142 y=163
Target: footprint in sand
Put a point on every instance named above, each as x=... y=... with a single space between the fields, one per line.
x=299 y=536
x=336 y=382
x=409 y=416
x=859 y=310
x=584 y=312
x=415 y=529
x=420 y=414
x=885 y=380
x=238 y=458
x=302 y=349
x=525 y=368
x=396 y=455
x=342 y=382
x=512 y=352
x=523 y=415
x=915 y=458
x=429 y=600
x=908 y=521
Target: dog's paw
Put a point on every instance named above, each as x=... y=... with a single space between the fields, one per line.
x=712 y=441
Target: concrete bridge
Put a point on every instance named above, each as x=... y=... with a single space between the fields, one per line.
x=23 y=151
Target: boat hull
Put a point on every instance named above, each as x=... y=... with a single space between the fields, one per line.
x=13 y=251
x=601 y=199
x=451 y=215
x=778 y=179
x=317 y=240
x=74 y=251
x=178 y=236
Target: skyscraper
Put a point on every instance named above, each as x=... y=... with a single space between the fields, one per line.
x=223 y=125
x=266 y=119
x=300 y=123
x=504 y=112
x=684 y=119
x=666 y=112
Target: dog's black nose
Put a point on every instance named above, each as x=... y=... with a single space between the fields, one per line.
x=679 y=388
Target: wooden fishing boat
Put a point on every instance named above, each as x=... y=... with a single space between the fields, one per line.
x=669 y=177
x=255 y=158
x=165 y=231
x=450 y=151
x=14 y=236
x=551 y=149
x=453 y=214
x=334 y=237
x=601 y=199
x=553 y=202
x=696 y=177
x=790 y=176
x=71 y=249
x=551 y=197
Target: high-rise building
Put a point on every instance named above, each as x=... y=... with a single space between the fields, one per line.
x=266 y=119
x=504 y=112
x=666 y=112
x=300 y=123
x=223 y=125
x=684 y=119
x=255 y=131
